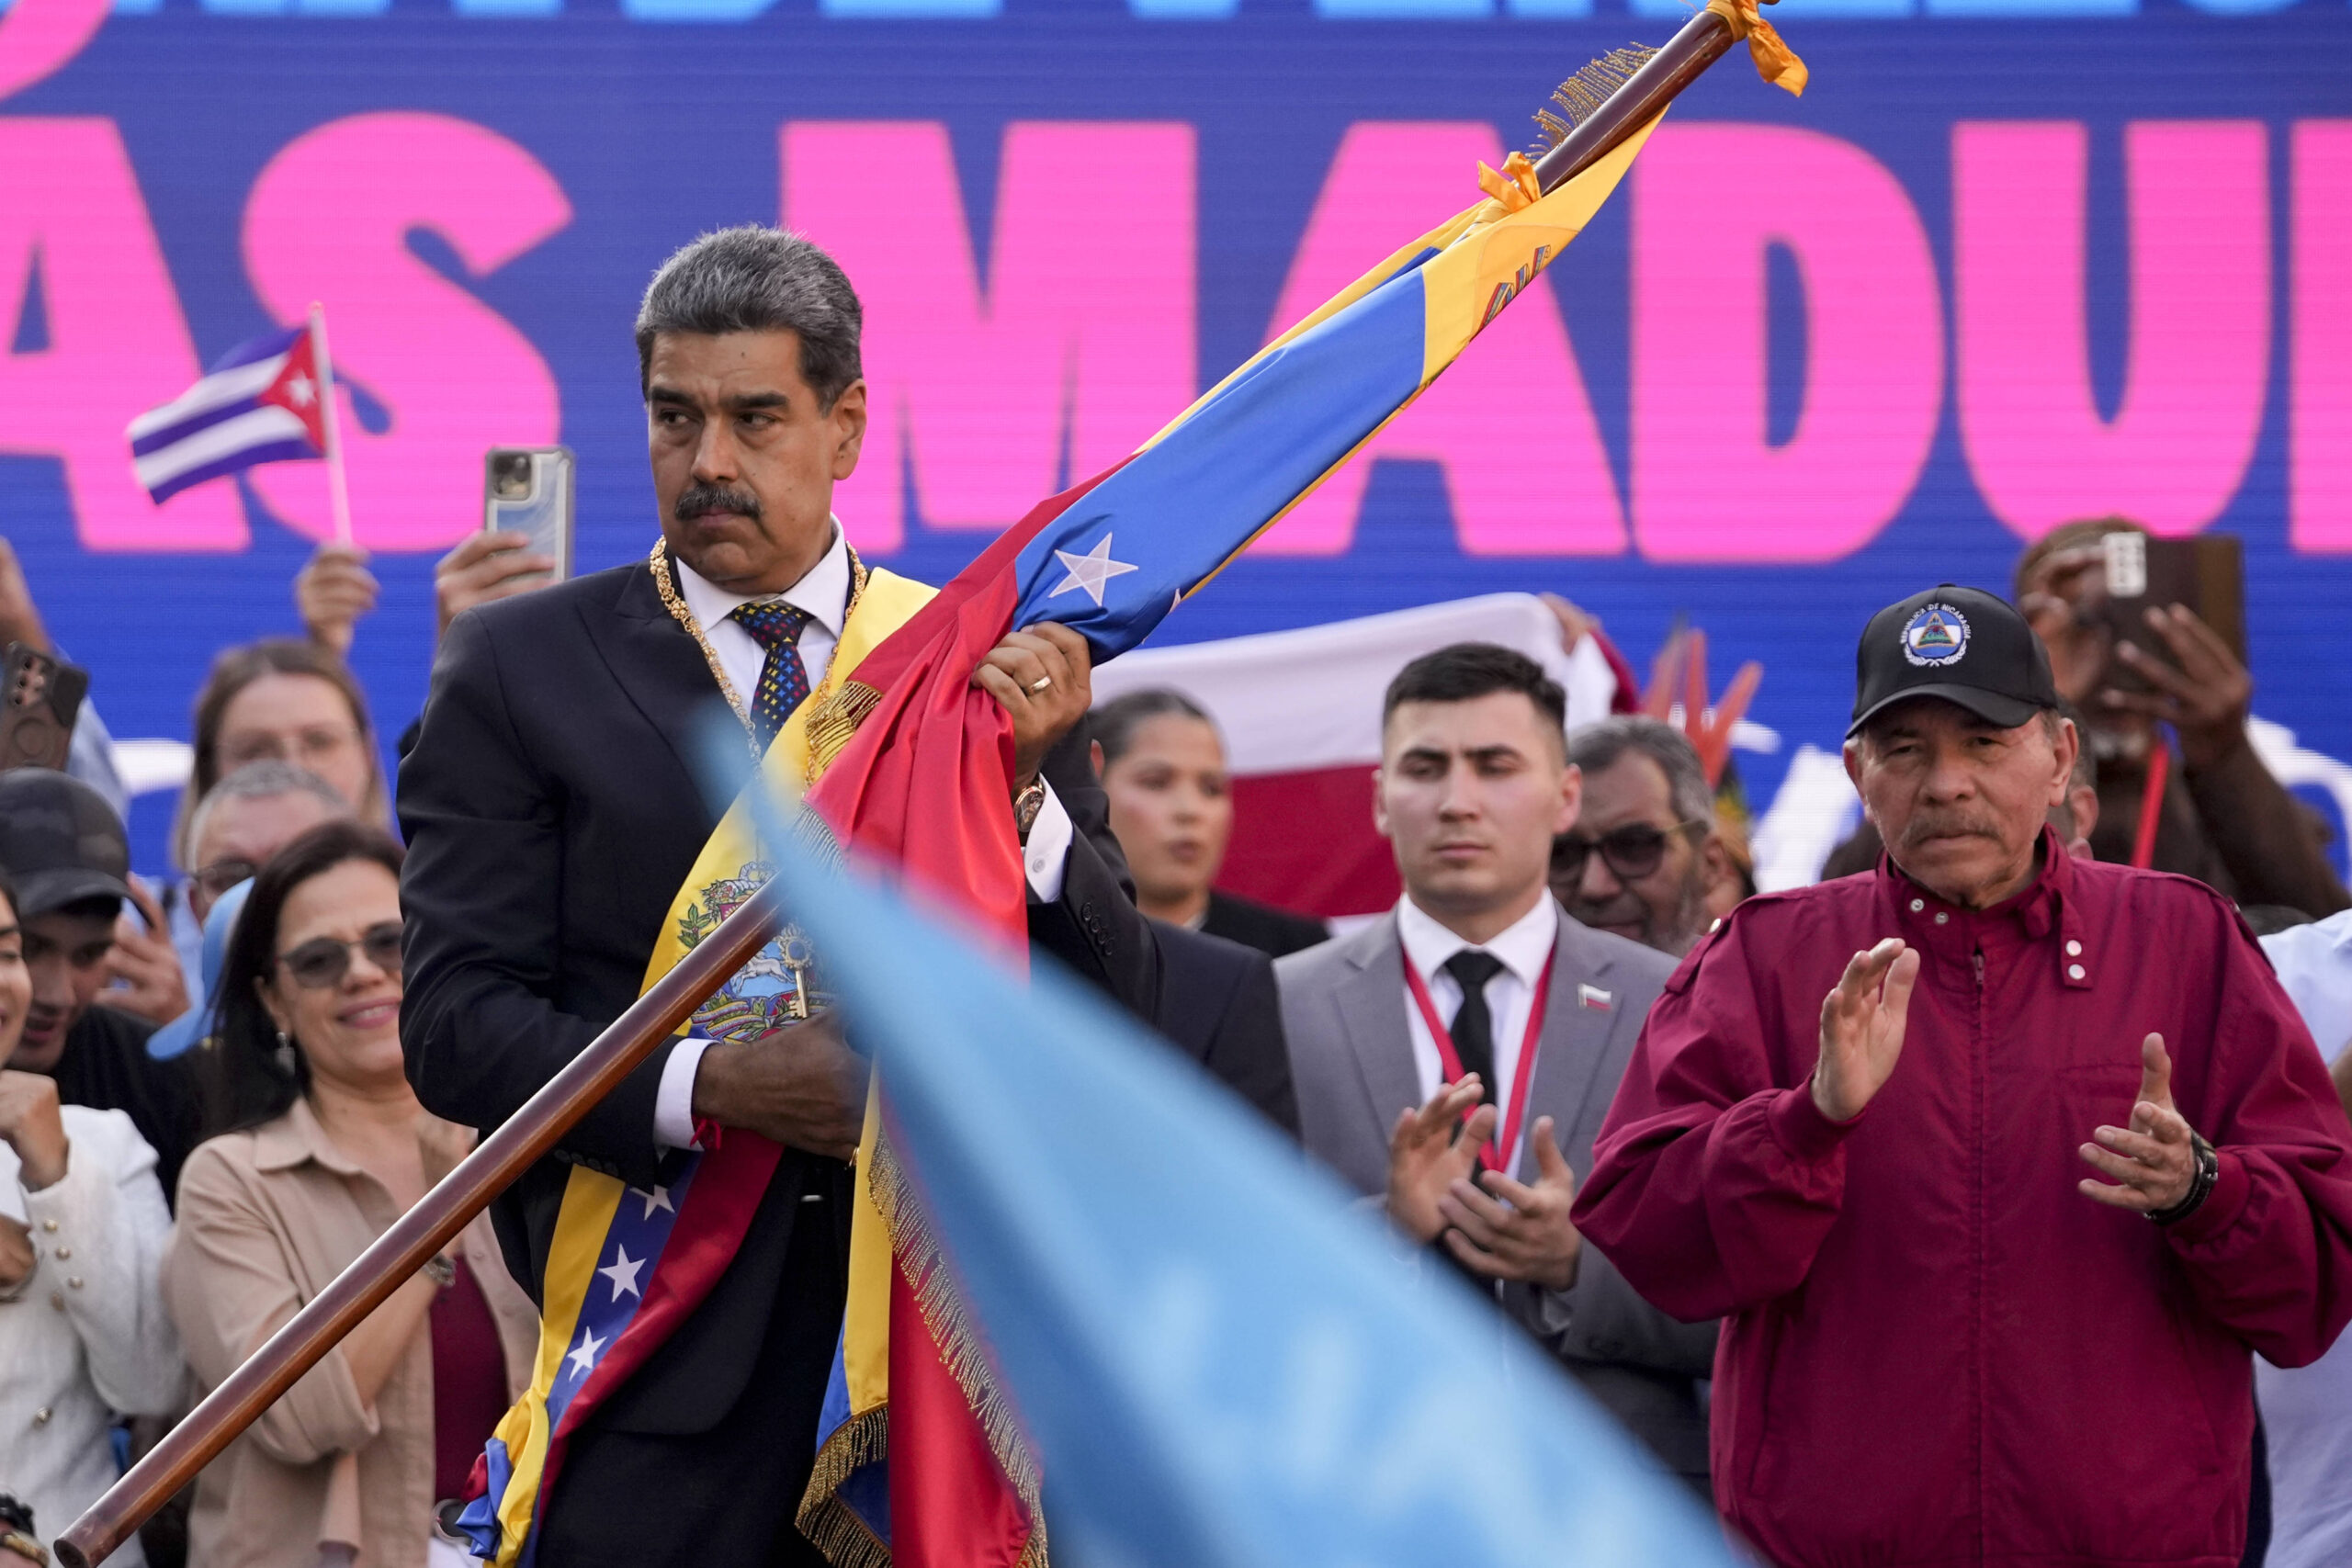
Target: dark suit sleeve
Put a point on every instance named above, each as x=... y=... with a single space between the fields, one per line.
x=1602 y=1318
x=1249 y=1051
x=1094 y=927
x=480 y=897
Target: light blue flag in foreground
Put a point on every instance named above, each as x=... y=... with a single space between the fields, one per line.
x=1220 y=1361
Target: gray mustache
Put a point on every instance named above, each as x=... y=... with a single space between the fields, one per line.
x=701 y=501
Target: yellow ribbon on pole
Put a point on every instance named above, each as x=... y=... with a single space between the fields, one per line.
x=1775 y=61
x=1515 y=186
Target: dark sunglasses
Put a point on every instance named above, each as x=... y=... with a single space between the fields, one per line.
x=323 y=961
x=1630 y=853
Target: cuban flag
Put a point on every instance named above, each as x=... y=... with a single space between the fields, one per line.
x=263 y=401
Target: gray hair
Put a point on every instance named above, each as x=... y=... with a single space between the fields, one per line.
x=757 y=279
x=1597 y=746
x=265 y=780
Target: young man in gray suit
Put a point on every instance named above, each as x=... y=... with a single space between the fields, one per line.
x=1477 y=1006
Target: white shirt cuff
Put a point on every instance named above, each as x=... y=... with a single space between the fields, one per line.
x=1043 y=857
x=1047 y=849
x=673 y=1101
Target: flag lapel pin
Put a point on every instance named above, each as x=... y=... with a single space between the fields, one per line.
x=1593 y=996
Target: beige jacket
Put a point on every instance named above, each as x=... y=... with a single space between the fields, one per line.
x=266 y=1218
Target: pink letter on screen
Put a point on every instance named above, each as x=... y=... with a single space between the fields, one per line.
x=2183 y=432
x=2319 y=470
x=1084 y=330
x=329 y=220
x=1707 y=484
x=118 y=344
x=1510 y=421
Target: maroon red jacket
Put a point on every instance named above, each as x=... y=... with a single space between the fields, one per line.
x=1935 y=1350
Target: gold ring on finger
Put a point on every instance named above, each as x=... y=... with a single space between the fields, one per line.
x=1040 y=683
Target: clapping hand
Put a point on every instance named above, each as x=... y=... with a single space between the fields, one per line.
x=1430 y=1150
x=2153 y=1162
x=1508 y=1231
x=1862 y=1022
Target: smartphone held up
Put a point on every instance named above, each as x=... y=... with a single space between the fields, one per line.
x=528 y=491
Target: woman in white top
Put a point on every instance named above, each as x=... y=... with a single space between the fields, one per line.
x=83 y=1332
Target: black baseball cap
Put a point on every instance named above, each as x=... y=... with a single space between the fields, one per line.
x=60 y=842
x=1961 y=643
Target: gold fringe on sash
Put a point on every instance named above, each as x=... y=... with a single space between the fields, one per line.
x=831 y=1525
x=917 y=1249
x=833 y=726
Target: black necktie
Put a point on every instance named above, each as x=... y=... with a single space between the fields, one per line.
x=1474 y=1026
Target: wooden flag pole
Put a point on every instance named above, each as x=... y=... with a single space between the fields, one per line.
x=417 y=1237
x=330 y=426
x=1702 y=41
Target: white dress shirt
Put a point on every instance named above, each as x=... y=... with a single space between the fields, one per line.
x=823 y=594
x=1523 y=948
x=87 y=1335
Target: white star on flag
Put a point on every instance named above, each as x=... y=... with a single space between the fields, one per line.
x=1088 y=571
x=583 y=1357
x=622 y=1272
x=657 y=1199
x=301 y=391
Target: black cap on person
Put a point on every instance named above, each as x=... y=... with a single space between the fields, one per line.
x=60 y=842
x=1963 y=644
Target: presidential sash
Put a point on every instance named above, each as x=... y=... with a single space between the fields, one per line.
x=628 y=1264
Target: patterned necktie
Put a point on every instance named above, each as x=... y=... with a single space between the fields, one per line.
x=784 y=679
x=1473 y=1028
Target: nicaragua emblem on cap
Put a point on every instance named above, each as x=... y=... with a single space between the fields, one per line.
x=1937 y=635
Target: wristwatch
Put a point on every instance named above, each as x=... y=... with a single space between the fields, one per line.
x=1025 y=807
x=2200 y=1183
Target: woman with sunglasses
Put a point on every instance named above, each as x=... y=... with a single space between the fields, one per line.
x=321 y=1145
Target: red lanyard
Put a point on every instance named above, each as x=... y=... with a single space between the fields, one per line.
x=2152 y=804
x=1529 y=1046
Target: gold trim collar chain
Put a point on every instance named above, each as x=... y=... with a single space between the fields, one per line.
x=658 y=558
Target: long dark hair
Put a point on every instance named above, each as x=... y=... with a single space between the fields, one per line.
x=245 y=1077
x=232 y=671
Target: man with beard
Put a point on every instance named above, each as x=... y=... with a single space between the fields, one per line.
x=1645 y=857
x=1999 y=1163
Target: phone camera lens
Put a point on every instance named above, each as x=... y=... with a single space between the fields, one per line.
x=510 y=475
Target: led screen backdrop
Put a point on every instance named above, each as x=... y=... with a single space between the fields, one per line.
x=2006 y=264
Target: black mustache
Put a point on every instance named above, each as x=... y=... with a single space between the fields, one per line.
x=701 y=501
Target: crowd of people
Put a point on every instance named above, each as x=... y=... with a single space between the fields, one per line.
x=1966 y=1207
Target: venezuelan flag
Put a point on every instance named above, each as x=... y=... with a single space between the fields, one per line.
x=920 y=1460
x=921 y=1463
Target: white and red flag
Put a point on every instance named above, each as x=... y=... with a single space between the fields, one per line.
x=1300 y=711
